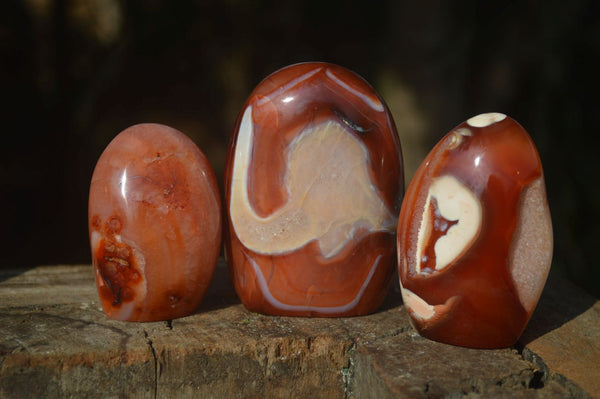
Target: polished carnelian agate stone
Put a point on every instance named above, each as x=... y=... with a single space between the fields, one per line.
x=475 y=235
x=313 y=184
x=154 y=223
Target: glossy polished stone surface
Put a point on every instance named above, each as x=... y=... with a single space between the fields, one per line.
x=154 y=224
x=314 y=180
x=475 y=235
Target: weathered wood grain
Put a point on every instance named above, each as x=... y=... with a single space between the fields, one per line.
x=56 y=342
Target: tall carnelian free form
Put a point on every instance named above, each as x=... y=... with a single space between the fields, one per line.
x=313 y=186
x=475 y=235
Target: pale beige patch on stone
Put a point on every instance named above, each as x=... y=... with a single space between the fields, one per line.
x=456 y=202
x=458 y=137
x=531 y=248
x=421 y=309
x=485 y=120
x=331 y=198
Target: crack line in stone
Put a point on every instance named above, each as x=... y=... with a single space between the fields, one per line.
x=149 y=342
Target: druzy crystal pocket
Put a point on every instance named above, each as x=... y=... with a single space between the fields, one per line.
x=313 y=184
x=475 y=235
x=154 y=224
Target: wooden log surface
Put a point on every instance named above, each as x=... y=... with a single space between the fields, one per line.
x=56 y=342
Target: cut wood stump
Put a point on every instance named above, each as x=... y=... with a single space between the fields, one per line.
x=56 y=342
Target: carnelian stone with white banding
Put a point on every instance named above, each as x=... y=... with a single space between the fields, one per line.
x=313 y=184
x=475 y=235
x=154 y=224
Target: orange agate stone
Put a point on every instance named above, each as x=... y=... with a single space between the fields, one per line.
x=475 y=235
x=154 y=224
x=313 y=184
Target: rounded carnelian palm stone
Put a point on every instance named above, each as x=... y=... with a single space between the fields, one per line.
x=313 y=184
x=154 y=224
x=475 y=235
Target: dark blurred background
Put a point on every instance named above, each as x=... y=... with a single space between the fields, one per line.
x=74 y=73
